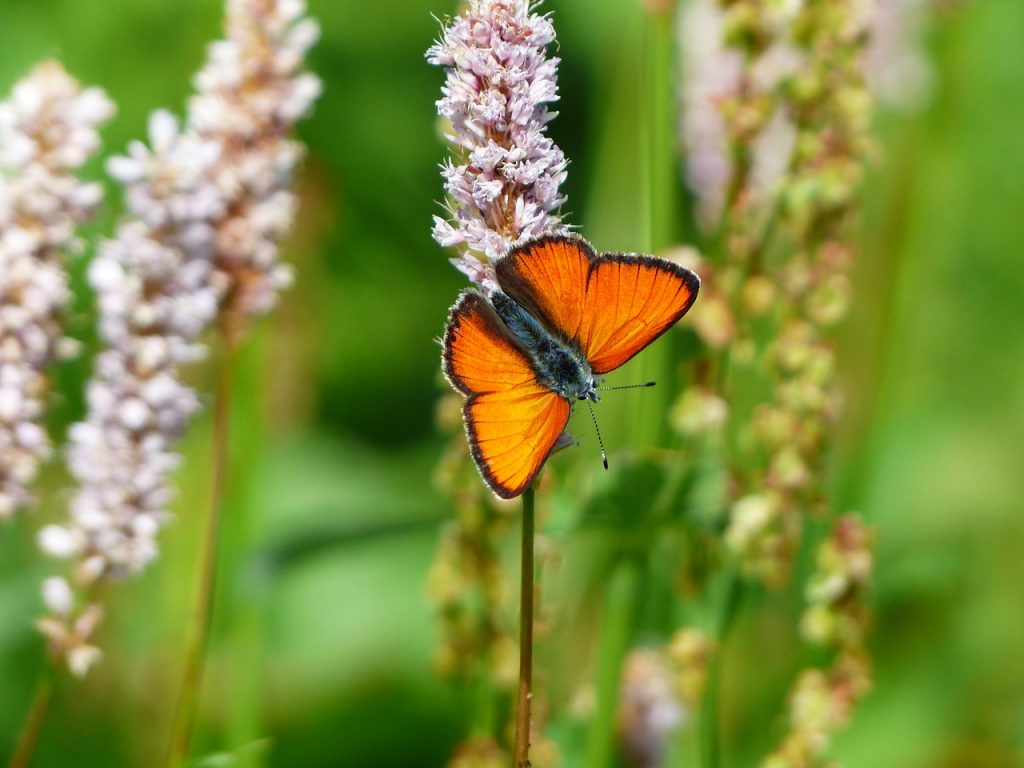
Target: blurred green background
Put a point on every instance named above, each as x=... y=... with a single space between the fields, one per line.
x=324 y=635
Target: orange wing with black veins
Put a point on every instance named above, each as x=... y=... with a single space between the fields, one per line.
x=512 y=421
x=612 y=306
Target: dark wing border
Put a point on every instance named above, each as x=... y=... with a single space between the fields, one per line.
x=467 y=301
x=481 y=466
x=521 y=292
x=690 y=278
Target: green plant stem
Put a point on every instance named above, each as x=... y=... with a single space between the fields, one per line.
x=710 y=747
x=616 y=634
x=711 y=716
x=202 y=607
x=522 y=746
x=658 y=205
x=660 y=154
x=37 y=713
x=242 y=600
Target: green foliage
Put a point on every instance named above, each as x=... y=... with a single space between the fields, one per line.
x=324 y=637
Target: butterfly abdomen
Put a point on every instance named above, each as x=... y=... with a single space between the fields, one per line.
x=559 y=364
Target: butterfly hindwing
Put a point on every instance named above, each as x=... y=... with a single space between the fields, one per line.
x=480 y=355
x=512 y=421
x=512 y=433
x=612 y=306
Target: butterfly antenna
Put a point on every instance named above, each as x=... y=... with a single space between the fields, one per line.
x=630 y=386
x=600 y=442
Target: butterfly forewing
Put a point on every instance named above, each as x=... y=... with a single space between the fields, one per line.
x=512 y=421
x=631 y=301
x=612 y=306
x=548 y=277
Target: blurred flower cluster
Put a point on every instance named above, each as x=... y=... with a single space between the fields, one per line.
x=794 y=121
x=836 y=615
x=503 y=184
x=660 y=690
x=736 y=132
x=736 y=138
x=467 y=583
x=777 y=144
x=829 y=105
x=48 y=130
x=823 y=701
x=898 y=71
x=471 y=591
x=207 y=204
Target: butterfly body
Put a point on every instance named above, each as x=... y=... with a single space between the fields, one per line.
x=560 y=364
x=562 y=316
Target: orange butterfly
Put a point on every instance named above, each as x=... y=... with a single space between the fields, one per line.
x=562 y=316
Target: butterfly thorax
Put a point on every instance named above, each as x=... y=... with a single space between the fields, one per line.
x=559 y=363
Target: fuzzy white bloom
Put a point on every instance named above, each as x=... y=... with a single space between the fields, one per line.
x=207 y=203
x=67 y=631
x=749 y=518
x=503 y=186
x=250 y=93
x=898 y=71
x=714 y=74
x=48 y=129
x=711 y=72
x=650 y=709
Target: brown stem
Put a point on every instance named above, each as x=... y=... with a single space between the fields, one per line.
x=202 y=607
x=522 y=751
x=37 y=713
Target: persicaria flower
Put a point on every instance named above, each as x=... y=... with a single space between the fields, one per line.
x=711 y=73
x=763 y=533
x=836 y=614
x=48 y=129
x=650 y=709
x=503 y=186
x=207 y=203
x=69 y=630
x=157 y=290
x=821 y=703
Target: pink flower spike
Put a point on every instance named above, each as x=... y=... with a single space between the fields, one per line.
x=207 y=201
x=503 y=182
x=48 y=129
